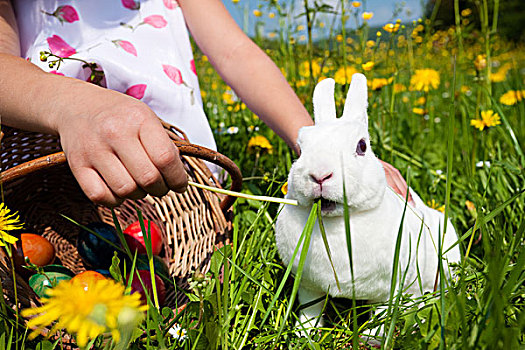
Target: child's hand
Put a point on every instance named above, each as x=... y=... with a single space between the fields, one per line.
x=117 y=148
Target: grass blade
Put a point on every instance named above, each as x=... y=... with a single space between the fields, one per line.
x=325 y=241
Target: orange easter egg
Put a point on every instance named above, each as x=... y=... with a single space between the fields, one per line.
x=88 y=277
x=38 y=249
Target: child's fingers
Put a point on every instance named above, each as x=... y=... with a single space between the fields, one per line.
x=140 y=167
x=117 y=177
x=164 y=155
x=94 y=187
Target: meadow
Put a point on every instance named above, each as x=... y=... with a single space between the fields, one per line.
x=447 y=108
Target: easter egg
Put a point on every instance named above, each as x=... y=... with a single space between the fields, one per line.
x=135 y=238
x=35 y=247
x=86 y=278
x=52 y=275
x=145 y=276
x=159 y=265
x=96 y=252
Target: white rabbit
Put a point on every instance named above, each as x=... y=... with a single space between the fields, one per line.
x=336 y=150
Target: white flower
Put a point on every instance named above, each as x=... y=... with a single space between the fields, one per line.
x=232 y=130
x=439 y=172
x=482 y=163
x=177 y=332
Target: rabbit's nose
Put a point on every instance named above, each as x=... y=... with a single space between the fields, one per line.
x=320 y=179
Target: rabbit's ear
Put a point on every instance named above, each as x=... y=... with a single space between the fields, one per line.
x=324 y=102
x=356 y=100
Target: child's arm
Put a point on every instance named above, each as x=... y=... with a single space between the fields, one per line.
x=246 y=68
x=114 y=144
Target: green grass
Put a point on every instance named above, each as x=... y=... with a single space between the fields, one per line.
x=481 y=308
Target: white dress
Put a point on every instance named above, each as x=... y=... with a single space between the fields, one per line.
x=140 y=47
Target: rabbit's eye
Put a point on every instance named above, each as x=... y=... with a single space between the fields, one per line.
x=361 y=147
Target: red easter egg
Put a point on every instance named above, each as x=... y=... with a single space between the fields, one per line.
x=136 y=286
x=38 y=249
x=88 y=277
x=135 y=238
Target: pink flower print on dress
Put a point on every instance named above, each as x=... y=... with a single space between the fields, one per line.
x=56 y=72
x=173 y=73
x=64 y=13
x=176 y=76
x=156 y=21
x=192 y=67
x=126 y=46
x=171 y=4
x=59 y=47
x=136 y=91
x=131 y=4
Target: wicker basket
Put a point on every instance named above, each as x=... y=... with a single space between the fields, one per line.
x=38 y=184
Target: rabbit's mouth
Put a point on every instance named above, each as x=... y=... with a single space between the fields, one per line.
x=327 y=206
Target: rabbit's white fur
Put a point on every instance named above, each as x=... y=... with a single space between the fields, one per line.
x=329 y=152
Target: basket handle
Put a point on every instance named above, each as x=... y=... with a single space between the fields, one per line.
x=184 y=147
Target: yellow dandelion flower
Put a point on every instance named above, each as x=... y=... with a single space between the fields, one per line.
x=344 y=75
x=490 y=118
x=368 y=66
x=370 y=43
x=480 y=62
x=257 y=13
x=466 y=12
x=378 y=83
x=418 y=39
x=271 y=15
x=8 y=222
x=227 y=97
x=424 y=80
x=477 y=123
x=464 y=89
x=421 y=100
x=304 y=69
x=378 y=33
x=418 y=111
x=235 y=1
x=321 y=24
x=86 y=312
x=435 y=205
x=399 y=87
x=511 y=97
x=284 y=188
x=260 y=142
x=405 y=99
x=356 y=4
x=367 y=15
x=391 y=27
x=470 y=206
x=501 y=74
x=300 y=27
x=339 y=38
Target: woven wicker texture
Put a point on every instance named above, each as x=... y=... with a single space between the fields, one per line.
x=192 y=223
